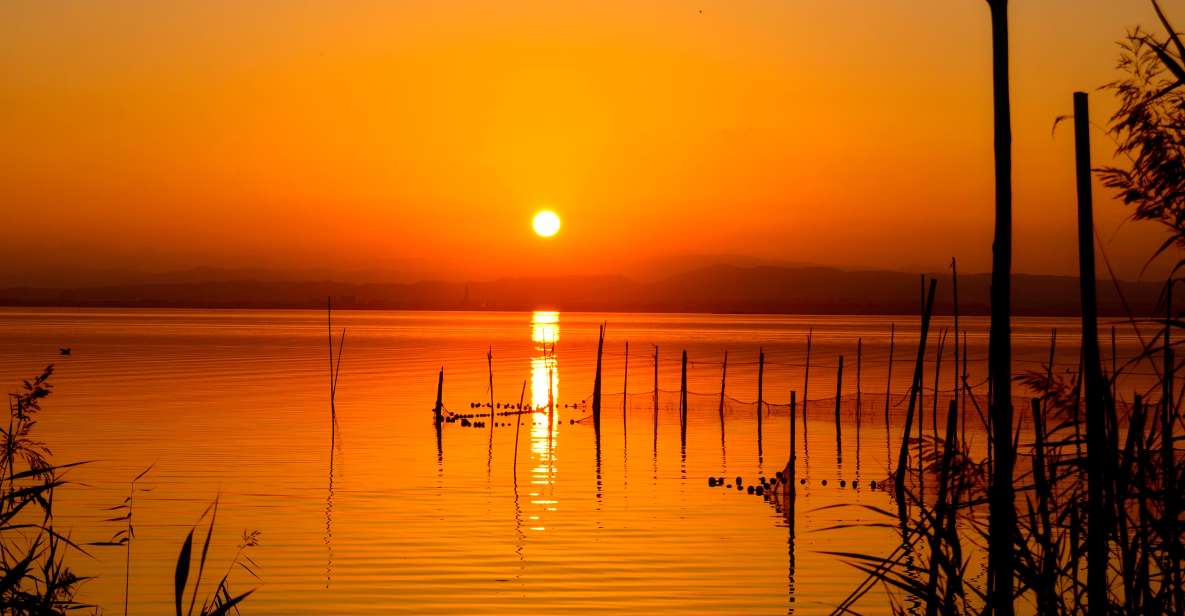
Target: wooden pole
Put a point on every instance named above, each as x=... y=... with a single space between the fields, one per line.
x=656 y=398
x=760 y=401
x=723 y=380
x=937 y=380
x=889 y=378
x=683 y=401
x=438 y=410
x=625 y=395
x=597 y=383
x=806 y=381
x=332 y=376
x=518 y=420
x=1098 y=523
x=963 y=391
x=919 y=365
x=955 y=392
x=438 y=413
x=551 y=405
x=859 y=367
x=838 y=402
x=1001 y=497
x=1114 y=366
x=921 y=392
x=490 y=363
x=792 y=468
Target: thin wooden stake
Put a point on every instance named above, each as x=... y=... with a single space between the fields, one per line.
x=656 y=398
x=332 y=376
x=597 y=383
x=490 y=363
x=889 y=378
x=518 y=420
x=625 y=395
x=838 y=402
x=438 y=414
x=903 y=454
x=954 y=268
x=963 y=394
x=937 y=380
x=792 y=467
x=806 y=381
x=859 y=365
x=683 y=401
x=760 y=401
x=1096 y=390
x=723 y=380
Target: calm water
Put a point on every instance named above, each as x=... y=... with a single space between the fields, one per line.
x=234 y=404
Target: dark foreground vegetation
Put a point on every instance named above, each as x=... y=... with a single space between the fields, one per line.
x=34 y=575
x=1082 y=512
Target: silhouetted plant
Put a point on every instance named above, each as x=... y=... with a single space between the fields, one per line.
x=1149 y=128
x=33 y=576
x=124 y=536
x=220 y=602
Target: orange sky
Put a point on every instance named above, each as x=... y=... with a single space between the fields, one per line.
x=358 y=135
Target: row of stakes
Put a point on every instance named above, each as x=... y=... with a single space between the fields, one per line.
x=765 y=486
x=521 y=407
x=471 y=420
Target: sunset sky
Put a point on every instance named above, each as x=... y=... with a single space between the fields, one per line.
x=424 y=135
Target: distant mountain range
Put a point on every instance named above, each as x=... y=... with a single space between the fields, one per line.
x=718 y=288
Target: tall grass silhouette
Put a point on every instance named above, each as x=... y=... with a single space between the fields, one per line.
x=34 y=575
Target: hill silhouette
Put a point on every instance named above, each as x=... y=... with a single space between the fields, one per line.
x=718 y=288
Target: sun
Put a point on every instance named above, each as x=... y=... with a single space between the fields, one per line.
x=546 y=223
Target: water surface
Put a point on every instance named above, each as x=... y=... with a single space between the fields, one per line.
x=234 y=405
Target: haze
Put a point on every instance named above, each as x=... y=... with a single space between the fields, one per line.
x=371 y=135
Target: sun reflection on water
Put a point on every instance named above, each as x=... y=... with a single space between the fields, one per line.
x=545 y=379
x=545 y=331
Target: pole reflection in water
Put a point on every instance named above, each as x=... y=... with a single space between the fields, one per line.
x=544 y=420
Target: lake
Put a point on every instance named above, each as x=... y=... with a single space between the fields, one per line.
x=234 y=405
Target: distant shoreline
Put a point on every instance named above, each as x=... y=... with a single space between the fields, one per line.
x=712 y=290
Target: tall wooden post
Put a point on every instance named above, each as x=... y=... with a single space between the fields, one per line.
x=683 y=401
x=918 y=370
x=889 y=377
x=1002 y=496
x=490 y=363
x=723 y=380
x=1096 y=388
x=438 y=414
x=625 y=394
x=859 y=367
x=655 y=398
x=806 y=381
x=838 y=402
x=791 y=467
x=518 y=420
x=760 y=401
x=597 y=382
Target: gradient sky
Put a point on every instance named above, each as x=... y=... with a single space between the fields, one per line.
x=384 y=134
